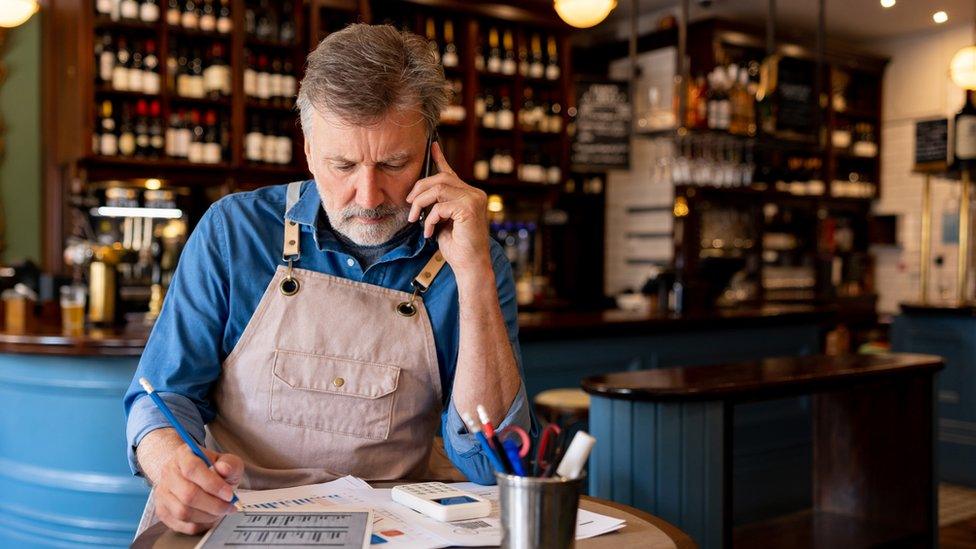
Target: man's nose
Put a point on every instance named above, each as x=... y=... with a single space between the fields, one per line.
x=368 y=193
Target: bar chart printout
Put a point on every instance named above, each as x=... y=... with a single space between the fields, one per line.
x=339 y=529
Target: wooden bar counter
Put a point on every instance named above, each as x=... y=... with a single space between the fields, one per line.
x=667 y=446
x=63 y=472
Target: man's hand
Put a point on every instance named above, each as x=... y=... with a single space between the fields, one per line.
x=190 y=497
x=461 y=211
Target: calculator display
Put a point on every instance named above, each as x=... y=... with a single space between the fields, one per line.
x=455 y=500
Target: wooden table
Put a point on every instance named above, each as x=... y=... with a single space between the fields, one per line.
x=666 y=446
x=642 y=530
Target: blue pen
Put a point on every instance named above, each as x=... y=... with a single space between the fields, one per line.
x=496 y=463
x=512 y=449
x=161 y=404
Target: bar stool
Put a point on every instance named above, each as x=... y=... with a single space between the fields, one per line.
x=563 y=407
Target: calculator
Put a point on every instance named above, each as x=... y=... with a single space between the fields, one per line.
x=439 y=501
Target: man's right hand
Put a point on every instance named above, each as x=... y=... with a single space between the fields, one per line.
x=190 y=497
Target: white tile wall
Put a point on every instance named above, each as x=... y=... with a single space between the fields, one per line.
x=916 y=87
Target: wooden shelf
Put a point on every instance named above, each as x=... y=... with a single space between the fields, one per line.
x=103 y=23
x=272 y=44
x=859 y=113
x=268 y=106
x=223 y=102
x=197 y=33
x=103 y=91
x=823 y=529
x=154 y=163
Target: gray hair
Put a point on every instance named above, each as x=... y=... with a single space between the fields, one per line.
x=363 y=72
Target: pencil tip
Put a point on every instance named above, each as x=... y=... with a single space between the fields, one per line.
x=145 y=384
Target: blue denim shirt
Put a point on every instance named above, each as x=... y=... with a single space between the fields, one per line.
x=222 y=274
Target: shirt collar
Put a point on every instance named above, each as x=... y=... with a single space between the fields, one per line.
x=308 y=212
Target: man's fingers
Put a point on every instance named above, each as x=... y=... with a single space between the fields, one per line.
x=197 y=472
x=426 y=183
x=193 y=496
x=440 y=159
x=179 y=516
x=432 y=195
x=230 y=467
x=439 y=212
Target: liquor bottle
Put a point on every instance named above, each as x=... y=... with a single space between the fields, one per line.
x=289 y=85
x=536 y=68
x=269 y=143
x=127 y=136
x=172 y=135
x=263 y=80
x=431 y=34
x=494 y=63
x=509 y=66
x=250 y=21
x=482 y=168
x=184 y=135
x=479 y=57
x=216 y=76
x=120 y=72
x=195 y=65
x=208 y=16
x=224 y=22
x=196 y=151
x=173 y=13
x=141 y=129
x=136 y=71
x=286 y=29
x=211 y=139
x=479 y=107
x=179 y=72
x=552 y=69
x=103 y=7
x=527 y=111
x=523 y=59
x=450 y=55
x=190 y=18
x=265 y=29
x=505 y=119
x=490 y=118
x=149 y=11
x=274 y=81
x=555 y=117
x=106 y=59
x=283 y=146
x=250 y=75
x=108 y=140
x=150 y=64
x=964 y=141
x=253 y=140
x=129 y=9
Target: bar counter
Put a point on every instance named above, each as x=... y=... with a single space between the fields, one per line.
x=70 y=483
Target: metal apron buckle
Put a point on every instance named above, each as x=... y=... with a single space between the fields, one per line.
x=289 y=285
x=409 y=308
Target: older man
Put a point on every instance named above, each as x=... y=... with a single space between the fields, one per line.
x=314 y=327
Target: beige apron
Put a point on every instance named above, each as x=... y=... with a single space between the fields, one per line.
x=331 y=380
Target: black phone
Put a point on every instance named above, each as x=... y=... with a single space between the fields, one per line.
x=426 y=169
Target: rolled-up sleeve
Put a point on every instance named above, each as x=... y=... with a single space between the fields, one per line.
x=183 y=354
x=461 y=446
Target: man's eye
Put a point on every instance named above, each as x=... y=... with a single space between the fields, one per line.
x=345 y=167
x=394 y=167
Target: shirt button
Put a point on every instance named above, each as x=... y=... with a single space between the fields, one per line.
x=338 y=382
x=350 y=262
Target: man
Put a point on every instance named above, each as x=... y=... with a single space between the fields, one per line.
x=297 y=327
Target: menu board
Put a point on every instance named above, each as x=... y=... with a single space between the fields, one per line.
x=603 y=122
x=797 y=106
x=931 y=145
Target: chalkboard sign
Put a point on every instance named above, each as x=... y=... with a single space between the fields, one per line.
x=797 y=107
x=603 y=123
x=931 y=145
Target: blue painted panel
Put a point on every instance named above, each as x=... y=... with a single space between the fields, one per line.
x=643 y=456
x=64 y=480
x=669 y=463
x=620 y=462
x=601 y=467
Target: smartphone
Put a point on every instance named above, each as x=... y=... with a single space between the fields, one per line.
x=425 y=171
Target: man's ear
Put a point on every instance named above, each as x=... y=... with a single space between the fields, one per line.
x=308 y=153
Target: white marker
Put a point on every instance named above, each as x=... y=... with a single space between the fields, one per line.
x=574 y=460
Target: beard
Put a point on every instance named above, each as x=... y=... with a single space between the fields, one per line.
x=390 y=220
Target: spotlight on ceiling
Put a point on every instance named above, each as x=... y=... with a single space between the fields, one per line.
x=940 y=17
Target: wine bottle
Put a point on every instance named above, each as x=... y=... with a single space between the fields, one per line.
x=196 y=152
x=136 y=71
x=269 y=143
x=141 y=129
x=190 y=18
x=450 y=55
x=149 y=11
x=208 y=16
x=224 y=22
x=184 y=135
x=129 y=9
x=253 y=140
x=173 y=13
x=211 y=139
x=108 y=140
x=283 y=147
x=150 y=64
x=250 y=75
x=494 y=63
x=964 y=141
x=552 y=69
x=127 y=136
x=289 y=85
x=106 y=59
x=286 y=30
x=263 y=79
x=536 y=68
x=274 y=81
x=120 y=72
x=505 y=118
x=509 y=66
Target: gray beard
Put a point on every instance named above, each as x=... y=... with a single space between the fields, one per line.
x=344 y=223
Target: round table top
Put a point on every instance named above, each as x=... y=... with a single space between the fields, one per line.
x=642 y=530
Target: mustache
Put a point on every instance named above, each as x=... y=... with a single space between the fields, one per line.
x=383 y=210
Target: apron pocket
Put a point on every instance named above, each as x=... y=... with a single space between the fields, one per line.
x=332 y=394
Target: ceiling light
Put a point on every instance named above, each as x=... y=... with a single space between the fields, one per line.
x=584 y=13
x=940 y=17
x=15 y=12
x=887 y=3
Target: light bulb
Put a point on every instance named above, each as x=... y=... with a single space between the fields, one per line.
x=584 y=13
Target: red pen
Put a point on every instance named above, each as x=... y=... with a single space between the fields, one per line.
x=485 y=422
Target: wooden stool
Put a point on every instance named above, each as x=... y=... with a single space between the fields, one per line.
x=563 y=407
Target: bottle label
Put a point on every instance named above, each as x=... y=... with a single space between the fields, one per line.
x=150 y=82
x=120 y=78
x=149 y=12
x=250 y=82
x=253 y=146
x=225 y=25
x=109 y=145
x=127 y=144
x=966 y=137
x=135 y=80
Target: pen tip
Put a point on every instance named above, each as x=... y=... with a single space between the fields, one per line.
x=239 y=506
x=145 y=384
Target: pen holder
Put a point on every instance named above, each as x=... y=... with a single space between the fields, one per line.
x=537 y=512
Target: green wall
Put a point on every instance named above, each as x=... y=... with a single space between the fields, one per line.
x=20 y=169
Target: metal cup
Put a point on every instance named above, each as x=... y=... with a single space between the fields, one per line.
x=538 y=513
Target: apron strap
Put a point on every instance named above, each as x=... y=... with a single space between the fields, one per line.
x=427 y=275
x=291 y=249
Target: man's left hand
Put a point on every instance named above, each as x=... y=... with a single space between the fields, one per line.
x=458 y=216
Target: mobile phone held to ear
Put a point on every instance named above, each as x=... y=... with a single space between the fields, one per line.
x=425 y=171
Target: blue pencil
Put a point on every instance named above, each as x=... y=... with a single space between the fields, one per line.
x=161 y=404
x=496 y=462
